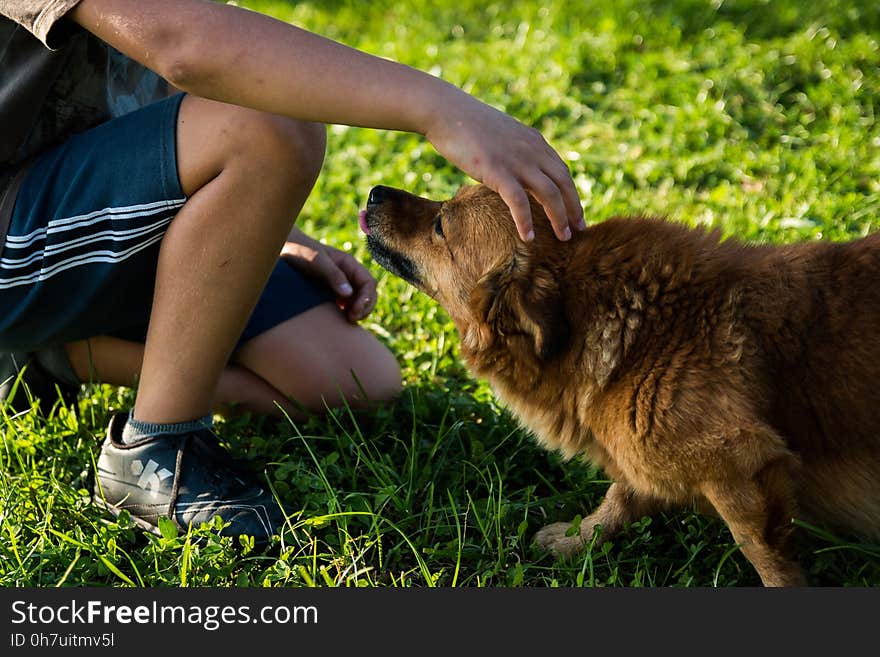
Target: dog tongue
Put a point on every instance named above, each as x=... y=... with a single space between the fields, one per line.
x=362 y=222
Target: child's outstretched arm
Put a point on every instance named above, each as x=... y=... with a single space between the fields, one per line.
x=242 y=57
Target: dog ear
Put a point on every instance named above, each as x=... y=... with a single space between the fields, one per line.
x=515 y=300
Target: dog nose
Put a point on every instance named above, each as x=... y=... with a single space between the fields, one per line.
x=378 y=194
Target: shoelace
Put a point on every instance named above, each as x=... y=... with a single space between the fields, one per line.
x=175 y=487
x=210 y=442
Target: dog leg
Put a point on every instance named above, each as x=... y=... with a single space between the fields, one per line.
x=758 y=513
x=621 y=505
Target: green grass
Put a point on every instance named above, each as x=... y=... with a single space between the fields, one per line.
x=761 y=118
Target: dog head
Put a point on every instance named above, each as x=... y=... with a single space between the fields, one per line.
x=466 y=254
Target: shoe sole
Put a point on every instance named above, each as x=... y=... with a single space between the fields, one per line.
x=115 y=510
x=153 y=529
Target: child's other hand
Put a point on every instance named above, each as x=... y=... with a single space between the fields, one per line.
x=353 y=284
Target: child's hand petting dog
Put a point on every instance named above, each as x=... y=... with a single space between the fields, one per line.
x=511 y=159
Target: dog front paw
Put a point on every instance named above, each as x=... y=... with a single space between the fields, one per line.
x=560 y=541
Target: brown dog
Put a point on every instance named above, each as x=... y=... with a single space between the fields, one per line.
x=743 y=378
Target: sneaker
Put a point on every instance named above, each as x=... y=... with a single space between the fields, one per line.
x=21 y=373
x=188 y=478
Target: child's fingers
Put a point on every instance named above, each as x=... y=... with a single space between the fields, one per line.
x=561 y=177
x=548 y=194
x=364 y=302
x=320 y=265
x=517 y=200
x=357 y=274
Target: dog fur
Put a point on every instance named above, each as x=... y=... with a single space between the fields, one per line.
x=742 y=378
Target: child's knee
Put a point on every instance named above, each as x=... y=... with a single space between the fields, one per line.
x=281 y=148
x=384 y=379
x=366 y=371
x=270 y=150
x=296 y=147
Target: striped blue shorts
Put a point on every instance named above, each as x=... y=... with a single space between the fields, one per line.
x=80 y=256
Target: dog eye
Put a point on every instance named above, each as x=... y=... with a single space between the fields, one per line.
x=438 y=226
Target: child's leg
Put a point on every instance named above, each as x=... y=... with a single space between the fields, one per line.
x=309 y=358
x=319 y=359
x=245 y=175
x=172 y=215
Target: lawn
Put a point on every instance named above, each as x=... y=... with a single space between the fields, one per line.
x=759 y=117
